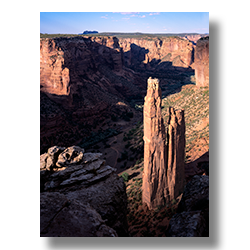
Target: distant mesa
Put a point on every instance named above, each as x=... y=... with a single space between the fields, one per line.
x=89 y=32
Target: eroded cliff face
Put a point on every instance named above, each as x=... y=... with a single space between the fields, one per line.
x=149 y=52
x=82 y=80
x=202 y=62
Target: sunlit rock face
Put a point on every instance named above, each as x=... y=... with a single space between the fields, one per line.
x=201 y=61
x=164 y=176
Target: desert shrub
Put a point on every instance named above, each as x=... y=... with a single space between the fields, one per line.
x=125 y=176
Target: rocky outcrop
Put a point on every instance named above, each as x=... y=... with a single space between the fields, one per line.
x=192 y=218
x=201 y=60
x=164 y=173
x=88 y=192
x=155 y=185
x=176 y=152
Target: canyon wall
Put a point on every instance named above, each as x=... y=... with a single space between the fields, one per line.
x=202 y=62
x=149 y=52
x=164 y=152
x=83 y=80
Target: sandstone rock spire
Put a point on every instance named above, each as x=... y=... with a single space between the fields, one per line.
x=164 y=173
x=155 y=189
x=176 y=152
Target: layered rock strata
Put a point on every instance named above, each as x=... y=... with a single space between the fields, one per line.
x=201 y=62
x=147 y=51
x=79 y=190
x=164 y=173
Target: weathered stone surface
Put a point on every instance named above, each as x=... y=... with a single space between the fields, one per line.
x=108 y=197
x=84 y=178
x=49 y=159
x=61 y=217
x=155 y=186
x=176 y=152
x=164 y=173
x=70 y=155
x=186 y=224
x=201 y=61
x=196 y=194
x=192 y=218
x=144 y=52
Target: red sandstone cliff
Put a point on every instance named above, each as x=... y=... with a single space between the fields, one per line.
x=202 y=62
x=81 y=81
x=146 y=50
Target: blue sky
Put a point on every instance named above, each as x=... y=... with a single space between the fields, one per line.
x=145 y=22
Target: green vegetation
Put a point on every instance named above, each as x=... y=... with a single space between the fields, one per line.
x=125 y=176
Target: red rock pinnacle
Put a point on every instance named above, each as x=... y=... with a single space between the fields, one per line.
x=155 y=189
x=176 y=152
x=163 y=177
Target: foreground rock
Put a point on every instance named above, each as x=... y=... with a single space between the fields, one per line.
x=61 y=217
x=83 y=185
x=192 y=218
